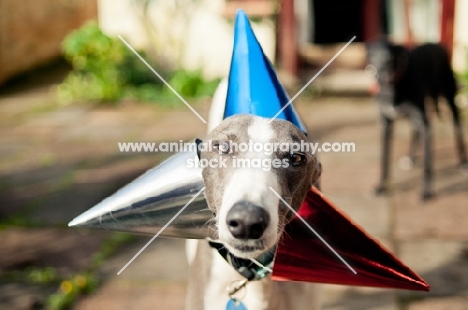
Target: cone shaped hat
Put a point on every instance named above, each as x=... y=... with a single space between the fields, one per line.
x=253 y=86
x=301 y=256
x=147 y=204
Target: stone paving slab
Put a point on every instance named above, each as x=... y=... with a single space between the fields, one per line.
x=444 y=217
x=135 y=296
x=442 y=263
x=21 y=296
x=156 y=279
x=370 y=213
x=450 y=303
x=42 y=247
x=346 y=298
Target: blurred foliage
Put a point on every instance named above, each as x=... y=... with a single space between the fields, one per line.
x=32 y=274
x=103 y=67
x=191 y=84
x=70 y=285
x=463 y=77
x=105 y=71
x=462 y=97
x=42 y=275
x=85 y=282
x=70 y=289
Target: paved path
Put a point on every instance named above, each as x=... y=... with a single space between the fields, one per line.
x=58 y=162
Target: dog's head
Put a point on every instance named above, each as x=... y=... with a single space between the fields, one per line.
x=388 y=63
x=247 y=159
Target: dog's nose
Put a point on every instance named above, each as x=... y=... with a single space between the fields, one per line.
x=247 y=221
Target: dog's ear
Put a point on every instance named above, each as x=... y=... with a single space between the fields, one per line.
x=198 y=142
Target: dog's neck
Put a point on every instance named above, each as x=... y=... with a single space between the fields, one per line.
x=251 y=269
x=211 y=276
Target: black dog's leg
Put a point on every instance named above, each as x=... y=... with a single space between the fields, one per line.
x=387 y=137
x=426 y=131
x=420 y=122
x=460 y=144
x=414 y=144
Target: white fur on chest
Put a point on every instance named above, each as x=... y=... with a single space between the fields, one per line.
x=221 y=278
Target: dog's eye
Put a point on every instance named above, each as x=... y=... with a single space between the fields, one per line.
x=296 y=159
x=222 y=147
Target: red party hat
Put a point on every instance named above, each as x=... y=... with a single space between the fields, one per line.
x=302 y=256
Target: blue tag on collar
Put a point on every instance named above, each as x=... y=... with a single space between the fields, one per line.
x=235 y=304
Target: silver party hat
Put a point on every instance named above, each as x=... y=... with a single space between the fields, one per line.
x=147 y=204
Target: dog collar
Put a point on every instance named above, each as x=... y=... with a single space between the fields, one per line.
x=255 y=269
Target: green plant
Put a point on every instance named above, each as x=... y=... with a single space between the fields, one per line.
x=32 y=274
x=105 y=70
x=41 y=275
x=70 y=289
x=191 y=84
x=463 y=77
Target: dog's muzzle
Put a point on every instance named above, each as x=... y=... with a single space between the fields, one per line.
x=247 y=221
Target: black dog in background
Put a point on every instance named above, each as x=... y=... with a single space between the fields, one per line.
x=406 y=78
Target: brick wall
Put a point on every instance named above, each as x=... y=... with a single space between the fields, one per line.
x=31 y=31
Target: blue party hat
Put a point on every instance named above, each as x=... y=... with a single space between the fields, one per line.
x=253 y=86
